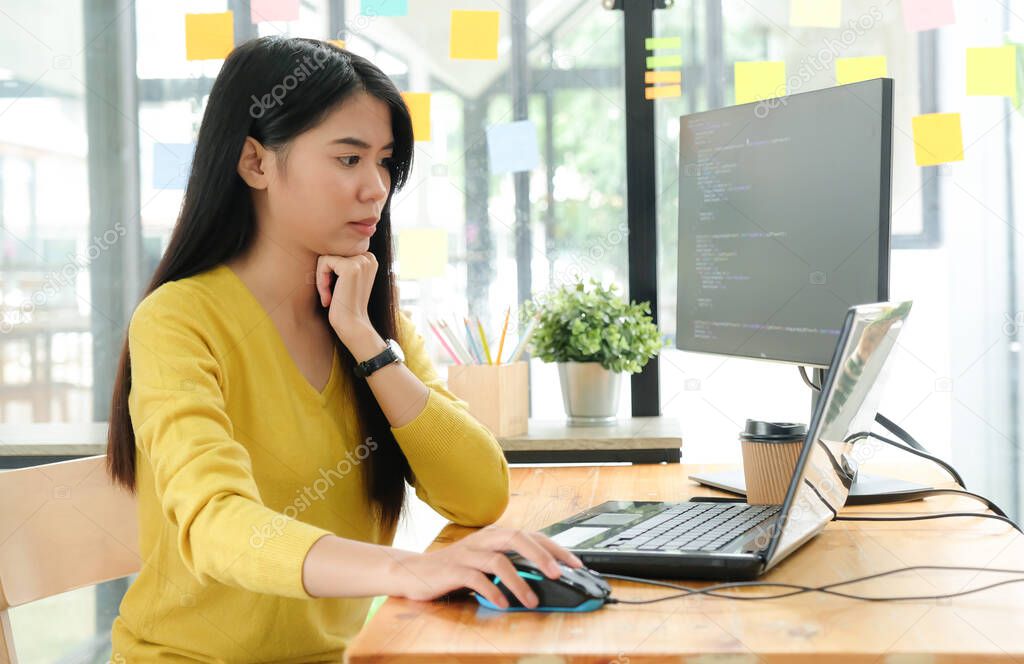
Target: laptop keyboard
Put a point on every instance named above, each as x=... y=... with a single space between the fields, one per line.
x=691 y=526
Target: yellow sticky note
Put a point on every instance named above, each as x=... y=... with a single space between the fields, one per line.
x=815 y=13
x=759 y=80
x=419 y=109
x=474 y=35
x=662 y=91
x=852 y=70
x=992 y=71
x=209 y=36
x=340 y=43
x=422 y=252
x=937 y=139
x=663 y=77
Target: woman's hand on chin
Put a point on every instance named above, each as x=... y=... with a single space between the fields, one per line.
x=350 y=296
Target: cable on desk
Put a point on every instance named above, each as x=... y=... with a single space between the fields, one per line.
x=923 y=517
x=799 y=589
x=999 y=513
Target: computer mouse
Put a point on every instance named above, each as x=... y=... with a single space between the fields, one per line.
x=577 y=589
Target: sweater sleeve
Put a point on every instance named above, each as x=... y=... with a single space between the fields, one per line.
x=458 y=466
x=203 y=476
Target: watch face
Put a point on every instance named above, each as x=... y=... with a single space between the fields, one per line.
x=397 y=349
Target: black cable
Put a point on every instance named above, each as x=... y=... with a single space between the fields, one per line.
x=999 y=513
x=906 y=448
x=799 y=590
x=912 y=445
x=899 y=432
x=924 y=517
x=803 y=374
x=924 y=493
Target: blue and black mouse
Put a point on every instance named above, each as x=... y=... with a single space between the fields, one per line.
x=579 y=589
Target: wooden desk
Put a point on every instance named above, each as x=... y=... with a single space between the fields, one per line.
x=987 y=626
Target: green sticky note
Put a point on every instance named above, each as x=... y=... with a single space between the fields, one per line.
x=652 y=43
x=992 y=71
x=938 y=139
x=664 y=61
x=852 y=70
x=759 y=80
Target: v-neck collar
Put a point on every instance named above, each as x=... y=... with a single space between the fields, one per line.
x=263 y=318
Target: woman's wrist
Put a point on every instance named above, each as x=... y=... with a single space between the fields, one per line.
x=339 y=567
x=363 y=341
x=397 y=573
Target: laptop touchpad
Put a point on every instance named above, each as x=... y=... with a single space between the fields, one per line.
x=610 y=519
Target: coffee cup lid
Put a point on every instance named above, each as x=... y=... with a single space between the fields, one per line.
x=760 y=430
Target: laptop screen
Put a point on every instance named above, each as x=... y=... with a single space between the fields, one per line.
x=842 y=417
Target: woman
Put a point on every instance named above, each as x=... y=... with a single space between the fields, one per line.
x=270 y=476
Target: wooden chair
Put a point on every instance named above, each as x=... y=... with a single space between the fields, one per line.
x=62 y=526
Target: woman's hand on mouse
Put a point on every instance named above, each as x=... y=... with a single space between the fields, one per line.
x=350 y=296
x=468 y=562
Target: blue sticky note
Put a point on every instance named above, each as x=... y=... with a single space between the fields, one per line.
x=512 y=147
x=384 y=7
x=171 y=164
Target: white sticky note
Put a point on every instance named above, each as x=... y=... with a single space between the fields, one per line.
x=815 y=13
x=422 y=252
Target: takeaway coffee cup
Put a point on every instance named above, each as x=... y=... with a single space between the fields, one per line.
x=770 y=453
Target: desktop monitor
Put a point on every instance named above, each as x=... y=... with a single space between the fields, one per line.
x=783 y=221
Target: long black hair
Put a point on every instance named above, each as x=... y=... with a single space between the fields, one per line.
x=273 y=89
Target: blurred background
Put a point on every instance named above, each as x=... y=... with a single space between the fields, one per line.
x=99 y=106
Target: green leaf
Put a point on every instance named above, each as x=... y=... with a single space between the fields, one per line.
x=577 y=324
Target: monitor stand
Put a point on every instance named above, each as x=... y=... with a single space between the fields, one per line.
x=865 y=490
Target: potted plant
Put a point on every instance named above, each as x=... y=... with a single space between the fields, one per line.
x=595 y=337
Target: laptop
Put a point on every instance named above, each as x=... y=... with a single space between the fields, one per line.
x=738 y=541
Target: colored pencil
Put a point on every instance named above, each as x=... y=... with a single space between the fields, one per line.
x=443 y=343
x=521 y=346
x=504 y=329
x=472 y=342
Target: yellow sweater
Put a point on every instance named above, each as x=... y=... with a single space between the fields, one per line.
x=242 y=465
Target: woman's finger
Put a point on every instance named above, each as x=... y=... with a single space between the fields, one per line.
x=476 y=580
x=558 y=551
x=526 y=546
x=324 y=269
x=498 y=564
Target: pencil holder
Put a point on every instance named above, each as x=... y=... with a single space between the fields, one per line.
x=498 y=395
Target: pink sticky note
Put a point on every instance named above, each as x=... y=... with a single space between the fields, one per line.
x=927 y=14
x=274 y=10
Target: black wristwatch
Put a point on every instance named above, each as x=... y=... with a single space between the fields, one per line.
x=391 y=354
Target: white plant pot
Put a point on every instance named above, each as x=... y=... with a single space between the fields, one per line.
x=590 y=393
